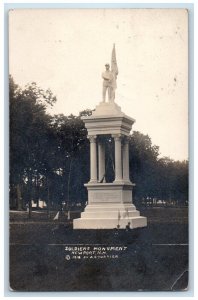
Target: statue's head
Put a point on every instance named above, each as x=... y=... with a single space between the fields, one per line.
x=107 y=66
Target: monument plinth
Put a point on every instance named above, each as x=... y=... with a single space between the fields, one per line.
x=109 y=203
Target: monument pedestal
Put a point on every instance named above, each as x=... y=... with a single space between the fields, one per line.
x=110 y=206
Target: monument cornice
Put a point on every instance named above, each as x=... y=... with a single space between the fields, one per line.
x=100 y=118
x=101 y=125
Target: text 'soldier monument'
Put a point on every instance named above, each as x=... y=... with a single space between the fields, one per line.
x=109 y=203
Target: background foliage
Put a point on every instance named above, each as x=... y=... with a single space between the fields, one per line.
x=49 y=157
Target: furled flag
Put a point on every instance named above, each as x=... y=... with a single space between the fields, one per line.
x=114 y=67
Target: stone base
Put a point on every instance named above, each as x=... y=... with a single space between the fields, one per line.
x=110 y=206
x=107 y=108
x=110 y=216
x=109 y=223
x=110 y=193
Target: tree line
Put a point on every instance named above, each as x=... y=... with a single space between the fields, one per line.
x=49 y=157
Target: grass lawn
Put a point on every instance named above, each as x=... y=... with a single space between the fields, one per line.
x=155 y=258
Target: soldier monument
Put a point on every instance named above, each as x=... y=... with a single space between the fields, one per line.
x=109 y=203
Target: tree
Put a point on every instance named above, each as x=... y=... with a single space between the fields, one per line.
x=29 y=129
x=73 y=151
x=173 y=181
x=143 y=162
x=49 y=157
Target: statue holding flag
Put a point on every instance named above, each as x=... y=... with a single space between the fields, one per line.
x=110 y=76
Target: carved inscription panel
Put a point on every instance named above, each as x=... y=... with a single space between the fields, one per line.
x=105 y=196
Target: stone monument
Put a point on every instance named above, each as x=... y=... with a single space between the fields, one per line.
x=109 y=203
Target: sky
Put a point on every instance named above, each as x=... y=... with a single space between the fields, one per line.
x=66 y=50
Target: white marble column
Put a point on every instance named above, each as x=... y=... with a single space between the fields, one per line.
x=118 y=158
x=93 y=159
x=101 y=161
x=125 y=154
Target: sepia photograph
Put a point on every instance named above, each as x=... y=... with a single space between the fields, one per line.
x=98 y=150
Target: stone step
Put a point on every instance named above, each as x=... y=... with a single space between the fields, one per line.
x=110 y=207
x=111 y=214
x=109 y=223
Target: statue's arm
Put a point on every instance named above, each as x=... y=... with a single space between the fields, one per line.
x=106 y=77
x=103 y=76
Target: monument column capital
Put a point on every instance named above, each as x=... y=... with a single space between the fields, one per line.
x=92 y=138
x=117 y=137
